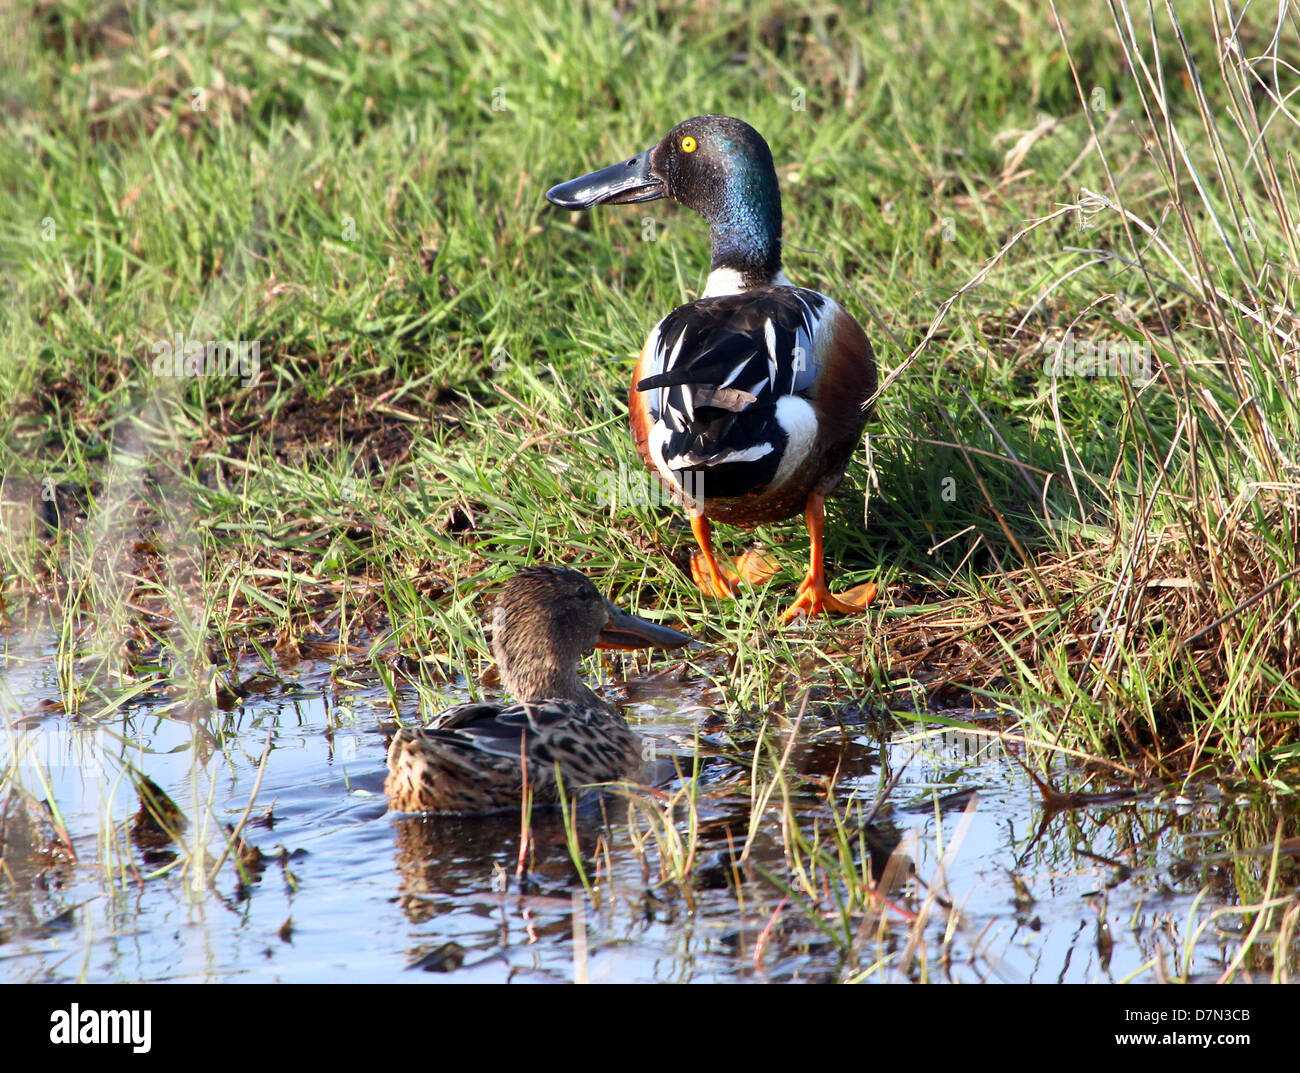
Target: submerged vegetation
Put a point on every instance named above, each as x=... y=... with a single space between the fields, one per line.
x=300 y=364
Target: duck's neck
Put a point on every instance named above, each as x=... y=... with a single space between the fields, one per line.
x=534 y=676
x=745 y=232
x=728 y=281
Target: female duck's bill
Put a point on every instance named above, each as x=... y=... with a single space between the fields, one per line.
x=627 y=631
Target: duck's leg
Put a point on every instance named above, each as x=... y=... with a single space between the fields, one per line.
x=813 y=597
x=710 y=578
x=713 y=578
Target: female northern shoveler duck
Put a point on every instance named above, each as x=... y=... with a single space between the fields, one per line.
x=469 y=758
x=749 y=402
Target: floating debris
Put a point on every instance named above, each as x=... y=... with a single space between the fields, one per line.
x=446 y=958
x=158 y=824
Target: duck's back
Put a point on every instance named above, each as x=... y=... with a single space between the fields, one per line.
x=468 y=759
x=746 y=402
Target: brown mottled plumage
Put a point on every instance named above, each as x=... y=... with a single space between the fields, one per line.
x=468 y=759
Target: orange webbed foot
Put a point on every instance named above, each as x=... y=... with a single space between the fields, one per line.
x=753 y=567
x=719 y=581
x=814 y=598
x=756 y=567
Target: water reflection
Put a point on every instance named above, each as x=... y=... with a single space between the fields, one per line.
x=976 y=880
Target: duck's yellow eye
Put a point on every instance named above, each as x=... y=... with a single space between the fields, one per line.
x=688 y=144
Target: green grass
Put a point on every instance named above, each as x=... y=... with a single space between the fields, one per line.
x=444 y=359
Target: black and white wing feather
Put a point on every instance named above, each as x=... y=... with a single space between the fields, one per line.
x=720 y=369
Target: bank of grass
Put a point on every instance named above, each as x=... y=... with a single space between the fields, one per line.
x=444 y=360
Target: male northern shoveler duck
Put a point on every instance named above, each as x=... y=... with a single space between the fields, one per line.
x=749 y=403
x=469 y=758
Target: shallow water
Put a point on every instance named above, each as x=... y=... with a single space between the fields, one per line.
x=348 y=891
